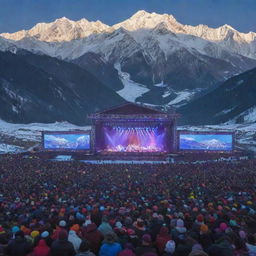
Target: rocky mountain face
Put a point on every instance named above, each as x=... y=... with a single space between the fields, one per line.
x=149 y=58
x=36 y=88
x=152 y=48
x=232 y=102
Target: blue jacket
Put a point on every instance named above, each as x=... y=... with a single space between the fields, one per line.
x=110 y=249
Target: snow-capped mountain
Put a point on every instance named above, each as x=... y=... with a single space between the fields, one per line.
x=60 y=30
x=150 y=49
x=64 y=29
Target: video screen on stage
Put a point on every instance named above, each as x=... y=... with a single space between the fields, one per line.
x=214 y=142
x=70 y=141
x=134 y=139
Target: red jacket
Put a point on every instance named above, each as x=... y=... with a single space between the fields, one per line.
x=94 y=237
x=162 y=238
x=42 y=249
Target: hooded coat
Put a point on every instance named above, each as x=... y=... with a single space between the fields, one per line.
x=74 y=239
x=62 y=248
x=105 y=228
x=19 y=247
x=94 y=236
x=41 y=249
x=162 y=238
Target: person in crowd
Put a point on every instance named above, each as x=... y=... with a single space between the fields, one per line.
x=104 y=227
x=19 y=246
x=84 y=249
x=166 y=209
x=146 y=246
x=42 y=249
x=110 y=246
x=61 y=246
x=94 y=237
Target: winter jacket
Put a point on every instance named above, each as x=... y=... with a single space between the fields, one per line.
x=162 y=238
x=56 y=232
x=110 y=249
x=94 y=236
x=143 y=249
x=19 y=247
x=126 y=252
x=74 y=239
x=85 y=254
x=62 y=248
x=223 y=248
x=41 y=249
x=105 y=228
x=251 y=249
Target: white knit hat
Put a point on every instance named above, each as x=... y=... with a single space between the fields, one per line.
x=170 y=246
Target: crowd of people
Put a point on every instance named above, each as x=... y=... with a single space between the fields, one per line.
x=72 y=208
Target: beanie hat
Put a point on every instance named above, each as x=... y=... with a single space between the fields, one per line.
x=15 y=229
x=63 y=234
x=223 y=226
x=180 y=223
x=2 y=230
x=62 y=223
x=233 y=223
x=242 y=234
x=170 y=246
x=200 y=218
x=87 y=222
x=146 y=238
x=45 y=234
x=19 y=233
x=75 y=228
x=118 y=224
x=130 y=232
x=197 y=247
x=204 y=228
x=34 y=233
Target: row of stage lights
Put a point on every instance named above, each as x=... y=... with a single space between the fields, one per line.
x=135 y=128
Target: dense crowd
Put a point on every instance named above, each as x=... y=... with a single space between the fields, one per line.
x=72 y=208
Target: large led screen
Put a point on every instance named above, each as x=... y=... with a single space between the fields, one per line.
x=134 y=139
x=214 y=142
x=72 y=141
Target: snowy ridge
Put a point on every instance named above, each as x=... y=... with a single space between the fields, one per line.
x=60 y=30
x=69 y=39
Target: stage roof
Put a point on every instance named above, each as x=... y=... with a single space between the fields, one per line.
x=131 y=109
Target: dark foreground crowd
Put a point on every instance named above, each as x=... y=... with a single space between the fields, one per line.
x=71 y=208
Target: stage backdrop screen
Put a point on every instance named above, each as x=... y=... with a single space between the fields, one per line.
x=134 y=139
x=214 y=142
x=69 y=141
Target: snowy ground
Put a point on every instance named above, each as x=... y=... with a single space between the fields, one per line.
x=20 y=137
x=245 y=134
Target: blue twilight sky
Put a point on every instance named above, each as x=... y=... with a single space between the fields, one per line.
x=23 y=14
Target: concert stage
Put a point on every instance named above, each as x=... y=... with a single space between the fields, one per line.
x=136 y=132
x=134 y=129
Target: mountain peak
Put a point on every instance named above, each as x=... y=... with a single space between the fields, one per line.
x=226 y=26
x=62 y=19
x=145 y=20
